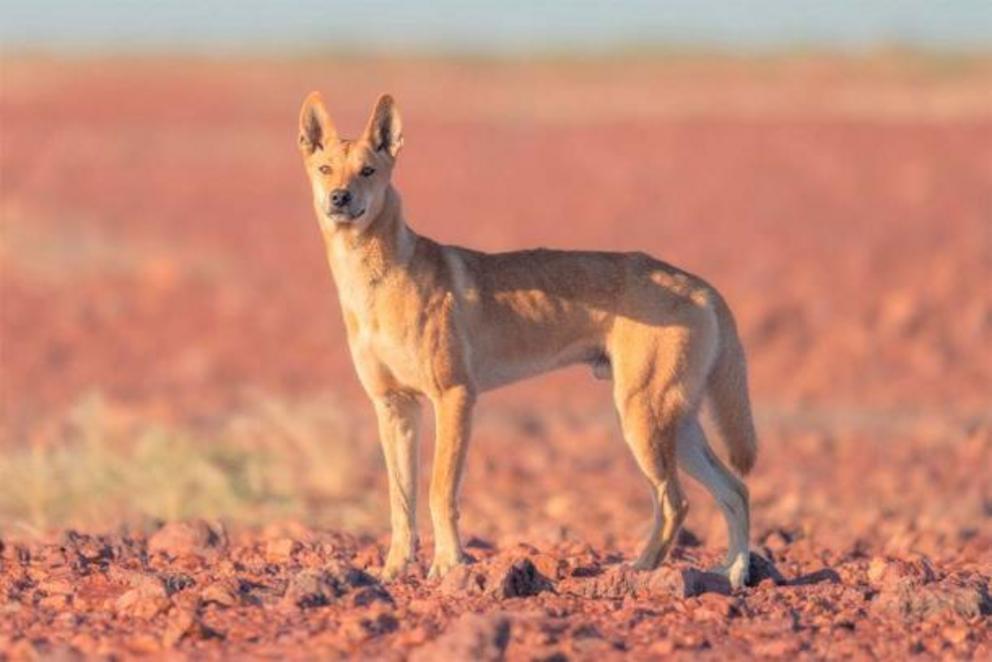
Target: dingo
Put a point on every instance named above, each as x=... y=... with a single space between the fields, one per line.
x=448 y=323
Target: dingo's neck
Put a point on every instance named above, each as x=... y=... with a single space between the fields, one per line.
x=360 y=260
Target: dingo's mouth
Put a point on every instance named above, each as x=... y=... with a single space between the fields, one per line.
x=345 y=217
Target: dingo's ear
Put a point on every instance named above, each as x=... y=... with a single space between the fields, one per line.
x=316 y=127
x=385 y=129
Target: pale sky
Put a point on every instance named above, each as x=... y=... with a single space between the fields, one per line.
x=507 y=26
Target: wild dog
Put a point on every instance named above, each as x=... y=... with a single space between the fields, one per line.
x=443 y=323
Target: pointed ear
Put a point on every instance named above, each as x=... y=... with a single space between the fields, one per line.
x=316 y=127
x=385 y=129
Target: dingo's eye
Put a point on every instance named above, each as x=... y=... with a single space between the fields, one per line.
x=366 y=171
x=325 y=169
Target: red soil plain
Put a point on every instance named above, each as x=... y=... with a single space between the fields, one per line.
x=159 y=258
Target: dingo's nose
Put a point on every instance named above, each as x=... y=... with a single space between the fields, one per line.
x=340 y=197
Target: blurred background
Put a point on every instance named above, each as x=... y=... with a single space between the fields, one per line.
x=170 y=340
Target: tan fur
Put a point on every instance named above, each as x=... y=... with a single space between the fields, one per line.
x=448 y=323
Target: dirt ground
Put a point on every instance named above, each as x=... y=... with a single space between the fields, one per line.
x=189 y=466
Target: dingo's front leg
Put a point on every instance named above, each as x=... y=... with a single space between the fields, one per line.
x=453 y=413
x=399 y=418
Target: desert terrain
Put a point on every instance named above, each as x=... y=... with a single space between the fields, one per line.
x=188 y=467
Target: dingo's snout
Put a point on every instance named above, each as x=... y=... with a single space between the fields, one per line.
x=340 y=198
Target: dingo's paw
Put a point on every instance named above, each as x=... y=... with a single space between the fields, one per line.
x=444 y=563
x=396 y=564
x=644 y=563
x=735 y=569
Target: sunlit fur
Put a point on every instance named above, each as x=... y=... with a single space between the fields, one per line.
x=426 y=320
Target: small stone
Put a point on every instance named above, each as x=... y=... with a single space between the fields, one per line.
x=777 y=648
x=143 y=644
x=281 y=550
x=876 y=569
x=517 y=578
x=176 y=582
x=180 y=621
x=311 y=588
x=715 y=606
x=956 y=634
x=84 y=642
x=361 y=627
x=420 y=605
x=663 y=647
x=548 y=566
x=463 y=579
x=369 y=557
x=221 y=593
x=54 y=602
x=56 y=587
x=184 y=538
x=888 y=572
x=143 y=602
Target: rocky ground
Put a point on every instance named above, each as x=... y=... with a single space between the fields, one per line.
x=188 y=468
x=192 y=588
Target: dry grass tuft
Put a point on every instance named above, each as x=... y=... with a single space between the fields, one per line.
x=271 y=460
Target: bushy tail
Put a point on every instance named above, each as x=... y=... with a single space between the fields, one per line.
x=727 y=388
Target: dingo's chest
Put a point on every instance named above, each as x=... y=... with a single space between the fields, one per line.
x=385 y=346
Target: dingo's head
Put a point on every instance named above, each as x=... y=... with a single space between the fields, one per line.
x=349 y=177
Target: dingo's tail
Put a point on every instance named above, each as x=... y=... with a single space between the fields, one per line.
x=727 y=388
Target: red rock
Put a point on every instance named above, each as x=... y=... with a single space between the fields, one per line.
x=358 y=627
x=777 y=648
x=663 y=647
x=281 y=550
x=469 y=637
x=887 y=572
x=54 y=602
x=613 y=583
x=223 y=593
x=715 y=606
x=548 y=566
x=143 y=644
x=180 y=621
x=956 y=634
x=313 y=587
x=967 y=598
x=188 y=538
x=515 y=578
x=463 y=579
x=369 y=557
x=499 y=577
x=144 y=602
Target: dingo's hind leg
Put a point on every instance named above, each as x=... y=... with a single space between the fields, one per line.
x=658 y=378
x=650 y=422
x=698 y=460
x=653 y=446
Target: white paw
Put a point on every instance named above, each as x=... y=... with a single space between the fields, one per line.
x=443 y=564
x=736 y=570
